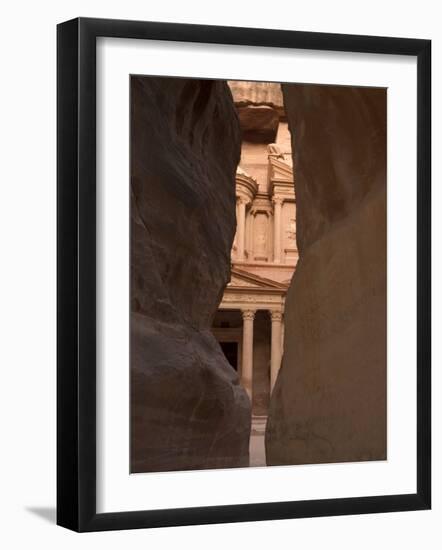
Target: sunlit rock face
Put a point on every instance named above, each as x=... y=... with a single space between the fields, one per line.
x=188 y=410
x=257 y=93
x=259 y=106
x=329 y=401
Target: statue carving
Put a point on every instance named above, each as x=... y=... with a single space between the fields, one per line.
x=291 y=229
x=275 y=151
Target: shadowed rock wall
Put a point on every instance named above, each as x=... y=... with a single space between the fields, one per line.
x=188 y=410
x=329 y=401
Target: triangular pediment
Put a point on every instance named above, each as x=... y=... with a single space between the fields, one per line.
x=245 y=279
x=280 y=170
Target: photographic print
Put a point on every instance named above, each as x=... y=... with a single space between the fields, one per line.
x=224 y=280
x=257 y=274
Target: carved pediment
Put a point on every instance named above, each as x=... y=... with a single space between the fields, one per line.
x=244 y=283
x=244 y=279
x=280 y=170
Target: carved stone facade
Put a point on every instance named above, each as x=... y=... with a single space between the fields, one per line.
x=250 y=321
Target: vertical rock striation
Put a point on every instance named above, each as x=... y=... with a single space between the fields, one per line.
x=188 y=410
x=329 y=402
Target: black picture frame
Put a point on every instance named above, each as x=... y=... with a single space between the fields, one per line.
x=76 y=274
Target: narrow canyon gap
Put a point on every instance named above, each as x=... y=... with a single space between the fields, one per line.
x=329 y=401
x=188 y=410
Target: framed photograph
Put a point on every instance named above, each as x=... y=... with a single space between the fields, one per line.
x=243 y=274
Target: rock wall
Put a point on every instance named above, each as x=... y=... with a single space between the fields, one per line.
x=188 y=410
x=259 y=106
x=257 y=93
x=329 y=401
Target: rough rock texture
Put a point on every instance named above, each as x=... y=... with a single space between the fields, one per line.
x=258 y=123
x=257 y=93
x=188 y=410
x=260 y=106
x=329 y=402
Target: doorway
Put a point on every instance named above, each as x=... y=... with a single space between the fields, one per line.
x=230 y=350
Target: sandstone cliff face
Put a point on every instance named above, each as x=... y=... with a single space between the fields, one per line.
x=188 y=410
x=259 y=106
x=257 y=93
x=329 y=401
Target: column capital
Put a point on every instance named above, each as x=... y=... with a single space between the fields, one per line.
x=242 y=200
x=277 y=201
x=276 y=316
x=248 y=314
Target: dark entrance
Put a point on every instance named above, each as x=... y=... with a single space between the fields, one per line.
x=230 y=350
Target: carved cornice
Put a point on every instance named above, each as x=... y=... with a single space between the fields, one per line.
x=241 y=279
x=260 y=210
x=246 y=185
x=262 y=199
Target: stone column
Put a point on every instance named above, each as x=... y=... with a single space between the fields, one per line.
x=241 y=227
x=277 y=206
x=276 y=348
x=248 y=316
